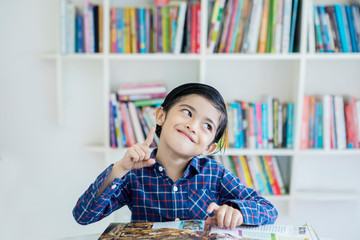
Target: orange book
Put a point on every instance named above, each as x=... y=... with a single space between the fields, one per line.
x=113 y=30
x=264 y=26
x=272 y=177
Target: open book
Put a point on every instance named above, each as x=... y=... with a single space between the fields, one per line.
x=196 y=229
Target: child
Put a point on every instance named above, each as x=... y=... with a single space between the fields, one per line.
x=173 y=182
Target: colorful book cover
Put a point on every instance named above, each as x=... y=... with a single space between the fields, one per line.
x=245 y=168
x=324 y=29
x=264 y=119
x=290 y=125
x=341 y=28
x=264 y=176
x=264 y=26
x=319 y=38
x=320 y=125
x=259 y=125
x=353 y=37
x=304 y=135
x=133 y=32
x=142 y=31
x=120 y=30
x=334 y=28
x=217 y=15
x=127 y=31
x=269 y=161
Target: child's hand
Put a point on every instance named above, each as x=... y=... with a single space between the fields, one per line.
x=138 y=155
x=225 y=216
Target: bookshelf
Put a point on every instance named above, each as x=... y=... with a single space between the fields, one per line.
x=250 y=76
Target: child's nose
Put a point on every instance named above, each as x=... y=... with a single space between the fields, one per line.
x=191 y=127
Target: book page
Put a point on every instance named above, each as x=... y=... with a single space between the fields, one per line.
x=265 y=232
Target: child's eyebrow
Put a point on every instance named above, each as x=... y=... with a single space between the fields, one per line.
x=194 y=110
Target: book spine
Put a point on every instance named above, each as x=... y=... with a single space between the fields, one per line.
x=290 y=125
x=358 y=118
x=180 y=27
x=259 y=126
x=96 y=27
x=324 y=28
x=286 y=26
x=142 y=31
x=340 y=122
x=79 y=34
x=319 y=39
x=112 y=126
x=293 y=25
x=278 y=175
x=347 y=32
x=356 y=14
x=70 y=27
x=246 y=170
x=275 y=122
x=133 y=33
x=341 y=27
x=280 y=126
x=174 y=20
x=214 y=36
x=117 y=119
x=263 y=28
x=304 y=136
x=353 y=37
x=264 y=176
x=320 y=124
x=91 y=28
x=349 y=127
x=334 y=28
x=128 y=129
x=311 y=29
x=101 y=28
x=279 y=26
x=252 y=138
x=264 y=119
x=270 y=164
x=120 y=30
x=326 y=122
x=355 y=122
x=270 y=122
x=254 y=29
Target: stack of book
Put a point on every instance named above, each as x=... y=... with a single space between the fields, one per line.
x=250 y=26
x=261 y=125
x=132 y=113
x=261 y=173
x=334 y=28
x=168 y=28
x=329 y=123
x=81 y=31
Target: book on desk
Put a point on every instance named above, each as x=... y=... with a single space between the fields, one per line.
x=197 y=229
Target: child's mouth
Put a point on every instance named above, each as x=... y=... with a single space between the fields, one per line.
x=186 y=135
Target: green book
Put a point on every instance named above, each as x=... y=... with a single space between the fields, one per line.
x=149 y=102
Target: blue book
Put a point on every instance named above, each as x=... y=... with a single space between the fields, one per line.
x=316 y=125
x=353 y=37
x=120 y=30
x=240 y=126
x=341 y=26
x=320 y=125
x=319 y=38
x=79 y=34
x=235 y=120
x=324 y=29
x=264 y=121
x=255 y=126
x=112 y=127
x=346 y=27
x=293 y=25
x=142 y=30
x=290 y=125
x=173 y=28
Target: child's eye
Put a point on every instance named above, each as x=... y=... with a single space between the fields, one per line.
x=187 y=112
x=208 y=126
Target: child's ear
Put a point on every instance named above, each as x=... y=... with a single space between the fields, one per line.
x=210 y=149
x=160 y=116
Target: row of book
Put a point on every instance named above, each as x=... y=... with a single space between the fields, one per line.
x=261 y=125
x=261 y=173
x=334 y=28
x=171 y=28
x=132 y=113
x=81 y=30
x=250 y=26
x=331 y=123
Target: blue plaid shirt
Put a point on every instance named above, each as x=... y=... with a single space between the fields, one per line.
x=153 y=197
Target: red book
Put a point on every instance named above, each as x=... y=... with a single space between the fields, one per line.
x=355 y=122
x=304 y=137
x=349 y=126
x=275 y=185
x=129 y=132
x=198 y=28
x=193 y=28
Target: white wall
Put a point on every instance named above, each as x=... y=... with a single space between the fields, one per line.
x=43 y=167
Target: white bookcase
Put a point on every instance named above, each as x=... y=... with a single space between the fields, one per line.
x=314 y=175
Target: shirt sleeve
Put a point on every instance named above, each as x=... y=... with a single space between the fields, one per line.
x=255 y=209
x=89 y=209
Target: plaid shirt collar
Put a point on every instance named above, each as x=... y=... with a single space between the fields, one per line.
x=194 y=164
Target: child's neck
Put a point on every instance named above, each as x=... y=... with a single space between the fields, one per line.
x=174 y=165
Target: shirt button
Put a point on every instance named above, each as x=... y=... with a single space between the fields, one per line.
x=177 y=219
x=161 y=168
x=113 y=186
x=175 y=189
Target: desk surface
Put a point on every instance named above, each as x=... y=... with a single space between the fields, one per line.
x=95 y=236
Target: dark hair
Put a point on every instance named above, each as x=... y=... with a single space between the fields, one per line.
x=206 y=91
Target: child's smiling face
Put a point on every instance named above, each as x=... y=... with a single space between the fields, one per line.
x=189 y=127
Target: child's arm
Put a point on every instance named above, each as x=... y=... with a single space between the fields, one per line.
x=255 y=209
x=110 y=190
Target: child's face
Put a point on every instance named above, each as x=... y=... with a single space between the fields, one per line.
x=189 y=127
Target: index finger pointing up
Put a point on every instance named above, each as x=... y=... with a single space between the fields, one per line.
x=150 y=137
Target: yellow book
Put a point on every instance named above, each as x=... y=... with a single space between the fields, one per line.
x=127 y=36
x=165 y=28
x=133 y=30
x=246 y=171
